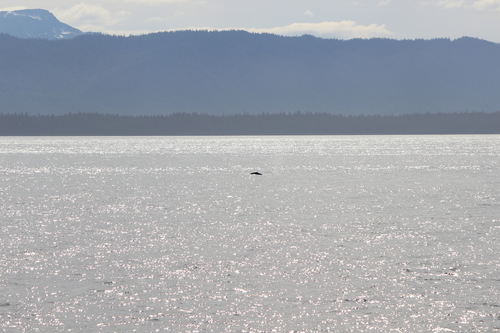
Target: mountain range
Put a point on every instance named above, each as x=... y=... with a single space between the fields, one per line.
x=35 y=23
x=234 y=72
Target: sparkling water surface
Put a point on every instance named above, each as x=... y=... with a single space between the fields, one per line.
x=173 y=234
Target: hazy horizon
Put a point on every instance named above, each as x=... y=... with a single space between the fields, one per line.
x=344 y=20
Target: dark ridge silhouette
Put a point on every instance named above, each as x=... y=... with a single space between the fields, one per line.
x=244 y=124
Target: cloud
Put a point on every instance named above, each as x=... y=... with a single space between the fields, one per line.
x=308 y=13
x=384 y=2
x=329 y=29
x=486 y=5
x=451 y=3
x=155 y=2
x=10 y=9
x=90 y=17
x=155 y=19
x=476 y=4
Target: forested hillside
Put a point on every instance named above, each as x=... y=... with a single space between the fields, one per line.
x=238 y=72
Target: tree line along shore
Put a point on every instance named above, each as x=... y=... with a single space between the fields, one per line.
x=298 y=123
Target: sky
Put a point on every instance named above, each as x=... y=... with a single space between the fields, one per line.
x=343 y=19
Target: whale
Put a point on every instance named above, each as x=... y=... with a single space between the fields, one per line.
x=256 y=173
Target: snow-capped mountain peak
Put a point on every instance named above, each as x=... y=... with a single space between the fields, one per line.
x=35 y=23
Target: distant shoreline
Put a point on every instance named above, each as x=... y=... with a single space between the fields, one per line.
x=195 y=124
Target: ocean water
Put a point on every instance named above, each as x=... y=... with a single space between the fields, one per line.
x=173 y=234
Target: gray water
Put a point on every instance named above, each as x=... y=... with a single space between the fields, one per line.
x=173 y=234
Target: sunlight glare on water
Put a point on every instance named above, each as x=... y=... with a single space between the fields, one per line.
x=339 y=234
